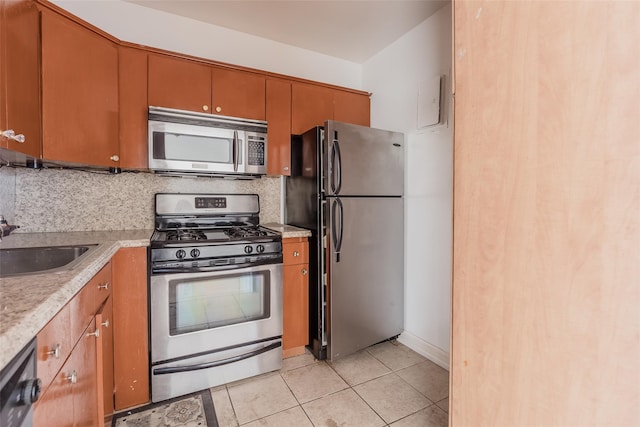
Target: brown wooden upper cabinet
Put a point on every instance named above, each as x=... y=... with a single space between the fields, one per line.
x=79 y=93
x=179 y=83
x=311 y=106
x=20 y=76
x=188 y=85
x=350 y=107
x=278 y=104
x=238 y=93
x=133 y=111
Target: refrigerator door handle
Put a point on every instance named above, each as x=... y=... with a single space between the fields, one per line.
x=336 y=227
x=335 y=166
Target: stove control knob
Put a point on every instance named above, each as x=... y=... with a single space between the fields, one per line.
x=181 y=253
x=195 y=253
x=248 y=249
x=260 y=249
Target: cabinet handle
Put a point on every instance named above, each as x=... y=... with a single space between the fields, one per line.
x=115 y=157
x=95 y=333
x=304 y=271
x=10 y=134
x=73 y=378
x=296 y=253
x=104 y=286
x=105 y=323
x=55 y=352
x=205 y=108
x=218 y=109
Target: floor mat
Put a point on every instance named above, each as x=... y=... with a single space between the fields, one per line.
x=193 y=410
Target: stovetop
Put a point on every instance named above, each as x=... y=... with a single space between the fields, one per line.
x=236 y=234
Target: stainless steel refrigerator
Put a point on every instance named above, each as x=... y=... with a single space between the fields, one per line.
x=346 y=186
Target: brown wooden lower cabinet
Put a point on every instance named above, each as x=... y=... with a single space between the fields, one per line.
x=295 y=334
x=104 y=322
x=131 y=350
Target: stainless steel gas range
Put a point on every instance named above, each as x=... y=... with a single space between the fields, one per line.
x=215 y=293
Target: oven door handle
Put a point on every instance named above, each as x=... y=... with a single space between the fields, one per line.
x=176 y=369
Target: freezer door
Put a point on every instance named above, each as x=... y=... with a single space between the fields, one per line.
x=360 y=161
x=365 y=275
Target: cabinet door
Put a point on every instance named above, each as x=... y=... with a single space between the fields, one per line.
x=278 y=114
x=55 y=407
x=132 y=75
x=20 y=56
x=351 y=108
x=238 y=93
x=295 y=317
x=310 y=106
x=179 y=83
x=83 y=361
x=131 y=351
x=104 y=350
x=79 y=94
x=54 y=346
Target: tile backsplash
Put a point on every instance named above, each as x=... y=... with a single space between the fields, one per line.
x=55 y=200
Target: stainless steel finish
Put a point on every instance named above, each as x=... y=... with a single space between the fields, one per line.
x=366 y=277
x=186 y=380
x=105 y=323
x=19 y=261
x=304 y=271
x=11 y=134
x=95 y=333
x=184 y=204
x=104 y=286
x=164 y=346
x=5 y=228
x=359 y=161
x=213 y=129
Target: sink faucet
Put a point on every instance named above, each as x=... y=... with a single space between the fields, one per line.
x=5 y=228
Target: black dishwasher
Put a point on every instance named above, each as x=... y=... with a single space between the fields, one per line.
x=19 y=388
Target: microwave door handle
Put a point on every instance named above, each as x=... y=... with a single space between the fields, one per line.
x=235 y=151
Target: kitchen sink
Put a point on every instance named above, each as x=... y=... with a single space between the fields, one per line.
x=19 y=261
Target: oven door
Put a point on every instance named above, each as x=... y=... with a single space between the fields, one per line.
x=196 y=148
x=199 y=313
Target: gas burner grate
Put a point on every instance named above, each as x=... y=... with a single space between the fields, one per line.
x=186 y=235
x=241 y=232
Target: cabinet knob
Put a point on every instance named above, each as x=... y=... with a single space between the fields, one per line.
x=296 y=253
x=115 y=157
x=104 y=286
x=218 y=109
x=304 y=272
x=10 y=134
x=55 y=351
x=73 y=378
x=286 y=168
x=95 y=333
x=205 y=108
x=105 y=323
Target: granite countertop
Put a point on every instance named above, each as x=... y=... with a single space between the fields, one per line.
x=287 y=231
x=28 y=302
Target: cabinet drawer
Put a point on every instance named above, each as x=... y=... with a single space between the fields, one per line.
x=54 y=346
x=295 y=253
x=87 y=302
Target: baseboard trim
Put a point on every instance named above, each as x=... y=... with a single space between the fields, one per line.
x=430 y=351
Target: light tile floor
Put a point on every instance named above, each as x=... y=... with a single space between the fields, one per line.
x=385 y=385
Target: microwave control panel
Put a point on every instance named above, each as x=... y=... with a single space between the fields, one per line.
x=256 y=148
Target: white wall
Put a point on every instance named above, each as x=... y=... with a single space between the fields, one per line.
x=394 y=75
x=137 y=24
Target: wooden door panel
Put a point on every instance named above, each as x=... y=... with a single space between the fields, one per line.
x=131 y=354
x=310 y=106
x=295 y=333
x=55 y=407
x=79 y=93
x=85 y=391
x=21 y=64
x=179 y=83
x=351 y=107
x=238 y=93
x=104 y=354
x=54 y=346
x=278 y=116
x=133 y=112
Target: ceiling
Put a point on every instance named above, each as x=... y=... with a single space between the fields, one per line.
x=353 y=30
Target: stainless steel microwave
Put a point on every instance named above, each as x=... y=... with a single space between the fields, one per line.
x=199 y=144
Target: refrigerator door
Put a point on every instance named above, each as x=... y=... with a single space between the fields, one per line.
x=365 y=274
x=360 y=161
